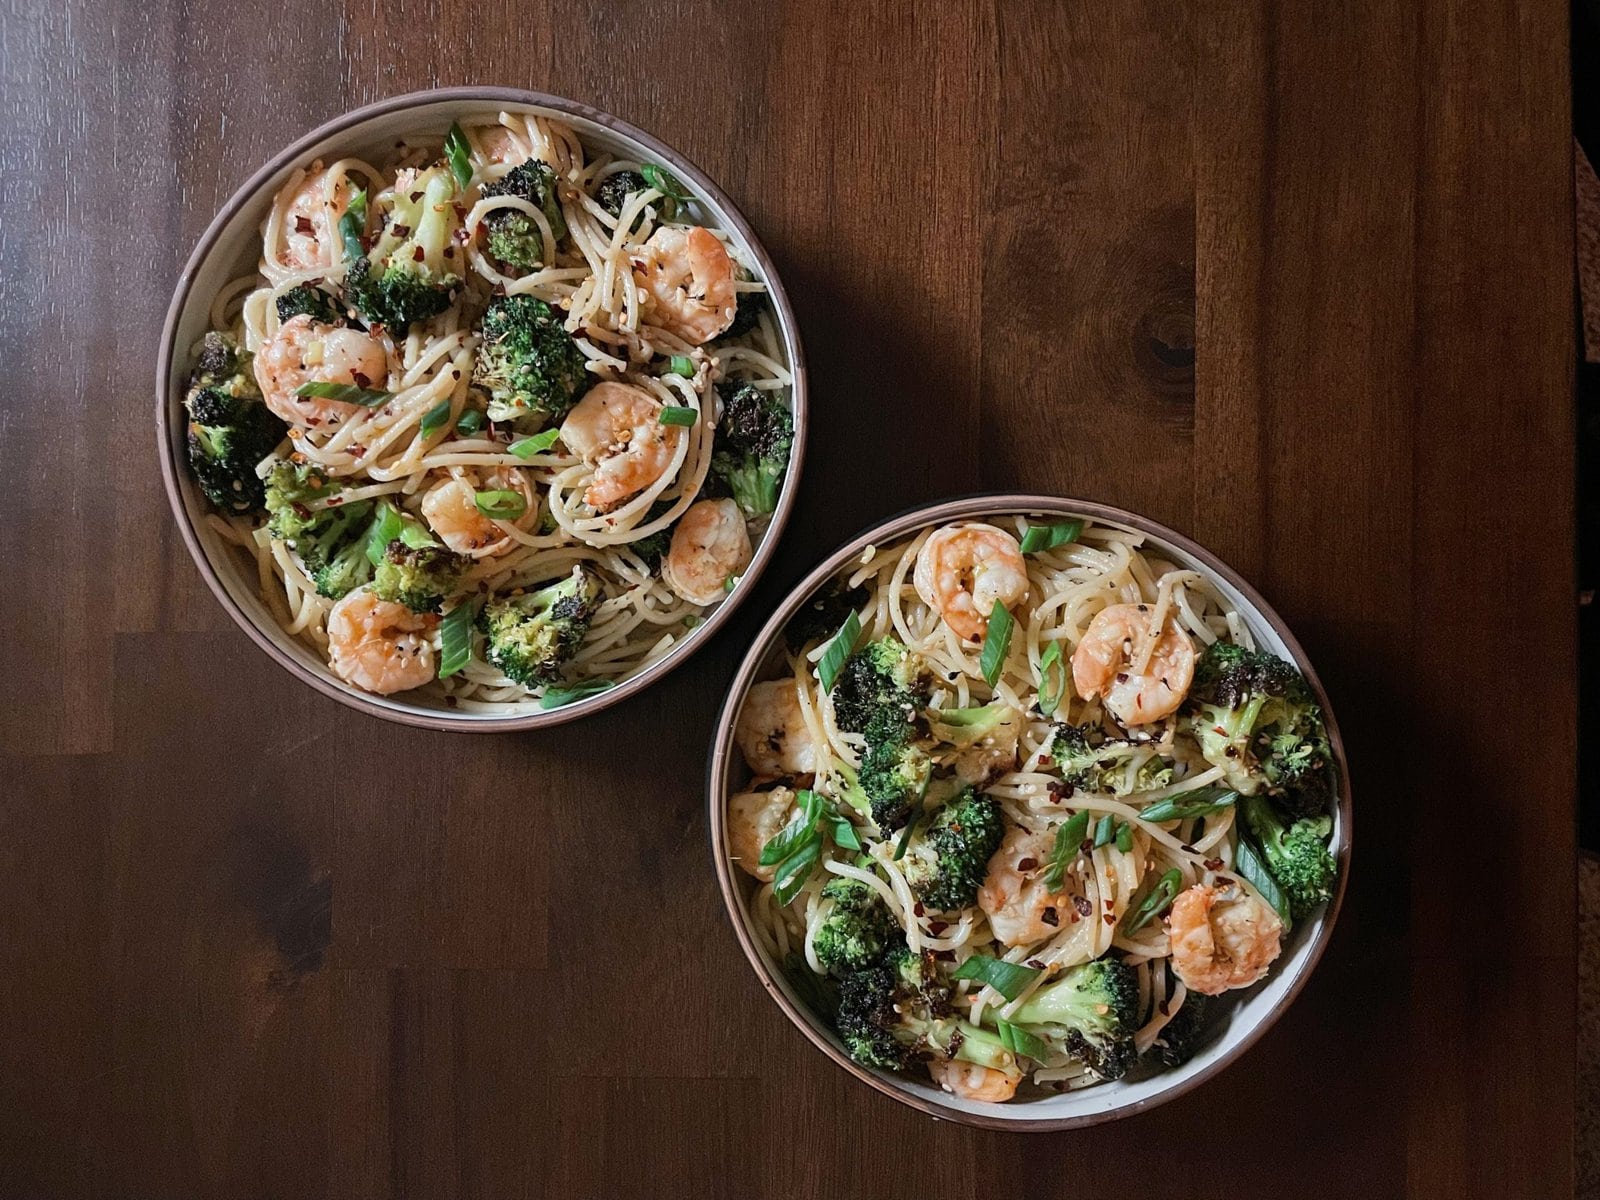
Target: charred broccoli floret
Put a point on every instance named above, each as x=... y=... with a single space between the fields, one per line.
x=528 y=364
x=309 y=301
x=412 y=271
x=895 y=772
x=822 y=616
x=857 y=930
x=1091 y=1013
x=530 y=637
x=754 y=436
x=946 y=865
x=892 y=1015
x=329 y=540
x=230 y=427
x=1091 y=762
x=882 y=676
x=1180 y=1037
x=1296 y=853
x=419 y=577
x=513 y=236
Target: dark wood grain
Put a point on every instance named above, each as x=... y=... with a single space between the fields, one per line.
x=1296 y=280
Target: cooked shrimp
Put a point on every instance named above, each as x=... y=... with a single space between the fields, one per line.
x=754 y=819
x=311 y=222
x=962 y=570
x=710 y=548
x=972 y=1082
x=689 y=278
x=617 y=430
x=1021 y=907
x=498 y=145
x=1102 y=665
x=1222 y=937
x=305 y=351
x=451 y=510
x=772 y=732
x=378 y=646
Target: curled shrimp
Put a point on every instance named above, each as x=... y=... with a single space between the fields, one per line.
x=1222 y=937
x=378 y=646
x=690 y=281
x=1104 y=664
x=451 y=509
x=311 y=222
x=772 y=732
x=963 y=570
x=710 y=548
x=972 y=1082
x=754 y=819
x=1020 y=905
x=303 y=351
x=497 y=145
x=617 y=429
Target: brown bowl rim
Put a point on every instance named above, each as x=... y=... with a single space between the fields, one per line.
x=967 y=507
x=169 y=426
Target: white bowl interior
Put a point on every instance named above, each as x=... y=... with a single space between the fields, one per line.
x=1232 y=1021
x=236 y=252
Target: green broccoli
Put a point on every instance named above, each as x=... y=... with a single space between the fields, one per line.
x=754 y=436
x=330 y=541
x=305 y=299
x=514 y=237
x=530 y=636
x=230 y=427
x=292 y=488
x=1091 y=762
x=419 y=577
x=857 y=930
x=531 y=368
x=892 y=1015
x=946 y=865
x=614 y=190
x=882 y=675
x=1179 y=1038
x=1296 y=853
x=822 y=616
x=346 y=569
x=895 y=772
x=1089 y=1012
x=411 y=273
x=1254 y=716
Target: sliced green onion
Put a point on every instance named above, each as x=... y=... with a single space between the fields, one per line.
x=455 y=638
x=800 y=829
x=961 y=718
x=386 y=526
x=557 y=697
x=905 y=837
x=1249 y=864
x=1156 y=899
x=1008 y=978
x=1019 y=1041
x=415 y=533
x=1070 y=836
x=1125 y=837
x=537 y=444
x=1201 y=802
x=664 y=181
x=1047 y=537
x=459 y=152
x=349 y=393
x=353 y=226
x=844 y=834
x=681 y=364
x=470 y=421
x=673 y=414
x=500 y=504
x=1050 y=693
x=791 y=876
x=435 y=417
x=833 y=659
x=995 y=643
x=1105 y=831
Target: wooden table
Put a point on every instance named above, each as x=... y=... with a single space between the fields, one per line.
x=1296 y=279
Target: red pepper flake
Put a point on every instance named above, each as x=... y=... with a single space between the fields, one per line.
x=917 y=908
x=401 y=231
x=1109 y=905
x=1027 y=864
x=937 y=927
x=418 y=254
x=335 y=501
x=1122 y=677
x=357 y=451
x=1224 y=880
x=300 y=510
x=449 y=251
x=1110 y=918
x=1036 y=964
x=303 y=225
x=362 y=381
x=1049 y=917
x=414 y=197
x=1213 y=864
x=461 y=212
x=1164 y=1009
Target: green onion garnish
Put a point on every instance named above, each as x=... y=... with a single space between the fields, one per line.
x=844 y=834
x=1007 y=978
x=1047 y=537
x=1105 y=831
x=1019 y=1041
x=1070 y=836
x=455 y=638
x=459 y=152
x=681 y=364
x=435 y=417
x=1201 y=802
x=347 y=392
x=995 y=643
x=470 y=421
x=353 y=225
x=792 y=874
x=800 y=829
x=556 y=697
x=905 y=837
x=415 y=533
x=664 y=181
x=1050 y=692
x=833 y=659
x=673 y=414
x=500 y=504
x=386 y=526
x=1155 y=900
x=1125 y=837
x=1249 y=864
x=537 y=444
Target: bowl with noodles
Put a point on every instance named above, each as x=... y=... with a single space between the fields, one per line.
x=1029 y=812
x=480 y=409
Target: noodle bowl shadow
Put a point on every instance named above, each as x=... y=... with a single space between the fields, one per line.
x=230 y=247
x=1234 y=1022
